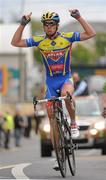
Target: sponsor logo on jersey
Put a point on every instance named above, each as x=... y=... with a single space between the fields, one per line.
x=54 y=55
x=57 y=67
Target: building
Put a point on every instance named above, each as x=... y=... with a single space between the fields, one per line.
x=17 y=61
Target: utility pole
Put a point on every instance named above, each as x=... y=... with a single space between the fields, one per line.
x=21 y=64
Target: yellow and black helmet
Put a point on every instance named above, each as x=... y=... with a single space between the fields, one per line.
x=50 y=16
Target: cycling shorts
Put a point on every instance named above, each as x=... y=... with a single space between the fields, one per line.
x=54 y=85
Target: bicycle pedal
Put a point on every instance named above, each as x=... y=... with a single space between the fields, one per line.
x=56 y=168
x=76 y=146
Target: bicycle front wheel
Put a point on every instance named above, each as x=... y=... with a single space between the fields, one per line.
x=59 y=146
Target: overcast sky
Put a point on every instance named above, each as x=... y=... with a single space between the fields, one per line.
x=93 y=10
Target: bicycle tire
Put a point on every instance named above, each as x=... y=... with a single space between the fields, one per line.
x=60 y=151
x=71 y=155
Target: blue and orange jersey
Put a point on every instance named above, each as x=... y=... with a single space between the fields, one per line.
x=55 y=53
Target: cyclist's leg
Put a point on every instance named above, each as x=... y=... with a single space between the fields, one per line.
x=51 y=91
x=68 y=87
x=70 y=105
x=52 y=85
x=49 y=106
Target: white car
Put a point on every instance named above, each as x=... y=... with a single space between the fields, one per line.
x=91 y=124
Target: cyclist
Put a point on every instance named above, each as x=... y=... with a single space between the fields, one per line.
x=55 y=50
x=80 y=86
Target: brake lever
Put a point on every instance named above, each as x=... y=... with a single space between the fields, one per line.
x=69 y=97
x=35 y=101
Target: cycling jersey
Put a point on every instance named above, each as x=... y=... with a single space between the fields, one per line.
x=55 y=53
x=56 y=58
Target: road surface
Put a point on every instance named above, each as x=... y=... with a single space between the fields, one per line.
x=25 y=163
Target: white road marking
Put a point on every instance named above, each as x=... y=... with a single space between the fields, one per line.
x=17 y=171
x=9 y=166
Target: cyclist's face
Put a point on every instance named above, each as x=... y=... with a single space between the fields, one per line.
x=50 y=27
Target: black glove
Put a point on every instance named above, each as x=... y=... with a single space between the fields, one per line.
x=75 y=14
x=24 y=21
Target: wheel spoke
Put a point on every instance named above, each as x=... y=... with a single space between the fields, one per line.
x=71 y=157
x=60 y=150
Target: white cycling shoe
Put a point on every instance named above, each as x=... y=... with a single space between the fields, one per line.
x=74 y=131
x=56 y=166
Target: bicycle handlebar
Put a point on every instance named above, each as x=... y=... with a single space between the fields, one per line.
x=35 y=101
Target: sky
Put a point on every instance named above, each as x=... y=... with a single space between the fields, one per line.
x=92 y=10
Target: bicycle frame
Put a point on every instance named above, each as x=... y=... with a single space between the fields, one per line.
x=69 y=146
x=60 y=123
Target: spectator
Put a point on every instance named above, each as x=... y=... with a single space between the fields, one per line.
x=8 y=126
x=1 y=128
x=28 y=127
x=18 y=127
x=80 y=86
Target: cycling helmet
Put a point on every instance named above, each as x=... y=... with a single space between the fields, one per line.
x=50 y=16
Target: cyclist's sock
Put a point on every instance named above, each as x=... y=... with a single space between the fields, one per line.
x=74 y=130
x=73 y=122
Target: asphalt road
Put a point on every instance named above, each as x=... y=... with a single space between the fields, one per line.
x=25 y=163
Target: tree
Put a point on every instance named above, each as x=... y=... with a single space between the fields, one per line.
x=82 y=55
x=1 y=21
x=100 y=44
x=104 y=88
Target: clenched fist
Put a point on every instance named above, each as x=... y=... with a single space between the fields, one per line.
x=25 y=19
x=75 y=13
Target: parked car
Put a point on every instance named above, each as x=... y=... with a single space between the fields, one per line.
x=91 y=124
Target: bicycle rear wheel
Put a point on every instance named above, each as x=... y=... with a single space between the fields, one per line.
x=71 y=155
x=59 y=146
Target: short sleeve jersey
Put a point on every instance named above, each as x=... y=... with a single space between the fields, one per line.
x=55 y=53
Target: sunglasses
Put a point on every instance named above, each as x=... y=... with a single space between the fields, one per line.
x=49 y=24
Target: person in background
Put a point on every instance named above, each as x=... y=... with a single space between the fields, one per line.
x=27 y=131
x=1 y=129
x=18 y=127
x=8 y=126
x=80 y=86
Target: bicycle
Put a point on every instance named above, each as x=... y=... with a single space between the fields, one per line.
x=63 y=145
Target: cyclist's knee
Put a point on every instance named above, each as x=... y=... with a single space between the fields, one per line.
x=49 y=109
x=64 y=91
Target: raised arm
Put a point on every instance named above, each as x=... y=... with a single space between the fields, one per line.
x=17 y=37
x=89 y=32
